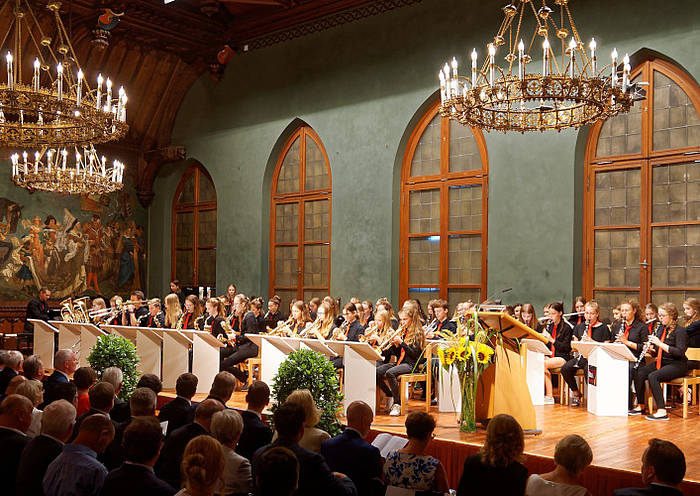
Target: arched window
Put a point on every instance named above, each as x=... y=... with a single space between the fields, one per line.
x=300 y=227
x=444 y=181
x=194 y=229
x=642 y=195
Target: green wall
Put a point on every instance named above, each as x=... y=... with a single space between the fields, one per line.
x=362 y=87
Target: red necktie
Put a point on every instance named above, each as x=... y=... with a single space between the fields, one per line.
x=187 y=320
x=627 y=330
x=660 y=352
x=554 y=336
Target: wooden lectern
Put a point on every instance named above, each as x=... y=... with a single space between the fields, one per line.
x=503 y=386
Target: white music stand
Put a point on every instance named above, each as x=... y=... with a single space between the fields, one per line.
x=147 y=341
x=608 y=376
x=273 y=351
x=176 y=348
x=44 y=342
x=205 y=358
x=316 y=345
x=88 y=337
x=535 y=352
x=68 y=337
x=360 y=376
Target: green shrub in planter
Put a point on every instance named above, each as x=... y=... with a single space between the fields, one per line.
x=307 y=369
x=115 y=351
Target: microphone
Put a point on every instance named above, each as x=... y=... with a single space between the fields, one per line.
x=500 y=291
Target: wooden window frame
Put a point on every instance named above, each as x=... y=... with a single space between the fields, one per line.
x=645 y=162
x=195 y=208
x=443 y=182
x=300 y=197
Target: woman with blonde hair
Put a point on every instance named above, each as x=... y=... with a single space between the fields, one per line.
x=202 y=467
x=571 y=455
x=408 y=347
x=327 y=318
x=498 y=468
x=313 y=437
x=384 y=304
x=529 y=317
x=34 y=391
x=173 y=311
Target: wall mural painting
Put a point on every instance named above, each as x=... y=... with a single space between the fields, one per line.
x=96 y=249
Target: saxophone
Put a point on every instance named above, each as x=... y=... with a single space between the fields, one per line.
x=647 y=346
x=339 y=333
x=229 y=339
x=180 y=322
x=200 y=322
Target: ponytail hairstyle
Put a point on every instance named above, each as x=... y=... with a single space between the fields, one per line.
x=202 y=464
x=256 y=303
x=672 y=312
x=218 y=304
x=241 y=298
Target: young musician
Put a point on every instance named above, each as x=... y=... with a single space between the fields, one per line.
x=383 y=304
x=691 y=309
x=670 y=362
x=333 y=305
x=314 y=303
x=353 y=328
x=632 y=332
x=651 y=314
x=155 y=317
x=215 y=312
x=617 y=316
x=98 y=305
x=561 y=332
x=239 y=308
x=115 y=302
x=442 y=322
x=408 y=347
x=529 y=318
x=590 y=330
x=325 y=314
x=578 y=308
x=379 y=329
x=273 y=315
x=245 y=348
x=135 y=310
x=192 y=312
x=229 y=303
x=300 y=317
x=176 y=290
x=517 y=309
x=366 y=310
x=173 y=310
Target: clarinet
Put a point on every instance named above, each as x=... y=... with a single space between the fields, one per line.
x=585 y=333
x=647 y=346
x=621 y=332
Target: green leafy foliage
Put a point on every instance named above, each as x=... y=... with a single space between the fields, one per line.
x=116 y=351
x=307 y=369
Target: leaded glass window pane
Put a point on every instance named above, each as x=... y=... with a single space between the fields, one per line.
x=617 y=258
x=676 y=192
x=426 y=159
x=675 y=256
x=464 y=151
x=622 y=134
x=288 y=180
x=676 y=122
x=316 y=172
x=424 y=260
x=424 y=211
x=466 y=207
x=617 y=197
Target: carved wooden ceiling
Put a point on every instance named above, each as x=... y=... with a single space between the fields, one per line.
x=157 y=51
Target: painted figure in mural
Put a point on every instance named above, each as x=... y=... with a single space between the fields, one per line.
x=24 y=274
x=5 y=246
x=11 y=213
x=50 y=258
x=94 y=236
x=128 y=257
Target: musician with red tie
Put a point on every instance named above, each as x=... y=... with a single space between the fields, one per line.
x=632 y=332
x=560 y=332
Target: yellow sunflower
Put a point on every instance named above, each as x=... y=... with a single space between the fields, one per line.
x=450 y=355
x=463 y=353
x=483 y=353
x=441 y=354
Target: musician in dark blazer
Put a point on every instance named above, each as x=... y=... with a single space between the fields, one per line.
x=15 y=419
x=663 y=469
x=38 y=309
x=177 y=411
x=256 y=433
x=349 y=453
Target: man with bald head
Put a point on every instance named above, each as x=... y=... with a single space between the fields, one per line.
x=350 y=454
x=168 y=465
x=15 y=419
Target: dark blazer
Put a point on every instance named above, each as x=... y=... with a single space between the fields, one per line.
x=11 y=446
x=315 y=478
x=135 y=480
x=355 y=331
x=677 y=342
x=176 y=412
x=651 y=490
x=85 y=415
x=256 y=434
x=35 y=459
x=351 y=455
x=49 y=385
x=168 y=465
x=6 y=376
x=120 y=411
x=37 y=310
x=562 y=338
x=693 y=331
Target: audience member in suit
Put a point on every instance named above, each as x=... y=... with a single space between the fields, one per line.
x=571 y=457
x=65 y=391
x=120 y=411
x=142 y=441
x=256 y=433
x=76 y=470
x=168 y=465
x=15 y=419
x=177 y=411
x=222 y=387
x=101 y=401
x=13 y=361
x=152 y=382
x=314 y=475
x=350 y=454
x=65 y=363
x=226 y=427
x=277 y=473
x=56 y=429
x=12 y=386
x=33 y=368
x=142 y=403
x=37 y=309
x=663 y=469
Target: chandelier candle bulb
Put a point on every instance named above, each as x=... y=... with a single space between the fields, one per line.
x=59 y=72
x=65 y=158
x=24 y=156
x=79 y=89
x=98 y=96
x=10 y=75
x=545 y=56
x=625 y=73
x=492 y=62
x=49 y=155
x=123 y=116
x=613 y=79
x=592 y=46
x=36 y=162
x=441 y=76
x=108 y=103
x=474 y=74
x=572 y=48
x=521 y=50
x=37 y=77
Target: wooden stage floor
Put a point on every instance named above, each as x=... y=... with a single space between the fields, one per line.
x=617 y=443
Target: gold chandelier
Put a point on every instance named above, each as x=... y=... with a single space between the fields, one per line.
x=569 y=92
x=56 y=110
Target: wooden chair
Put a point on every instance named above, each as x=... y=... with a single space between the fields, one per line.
x=252 y=363
x=691 y=380
x=341 y=375
x=406 y=379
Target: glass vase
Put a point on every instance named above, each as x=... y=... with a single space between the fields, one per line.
x=467 y=419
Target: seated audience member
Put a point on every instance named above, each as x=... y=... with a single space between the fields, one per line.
x=32 y=390
x=350 y=454
x=13 y=362
x=76 y=470
x=277 y=473
x=202 y=467
x=222 y=387
x=65 y=362
x=3 y=357
x=571 y=456
x=141 y=443
x=177 y=411
x=168 y=465
x=101 y=397
x=663 y=469
x=256 y=433
x=84 y=378
x=226 y=427
x=313 y=437
x=15 y=419
x=64 y=391
x=150 y=381
x=33 y=368
x=56 y=428
x=120 y=410
x=410 y=467
x=498 y=467
x=315 y=478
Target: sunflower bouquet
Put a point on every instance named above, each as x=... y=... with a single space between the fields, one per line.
x=467 y=353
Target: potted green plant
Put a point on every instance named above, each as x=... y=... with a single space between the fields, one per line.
x=115 y=351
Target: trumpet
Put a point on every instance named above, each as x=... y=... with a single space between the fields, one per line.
x=387 y=343
x=339 y=333
x=281 y=329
